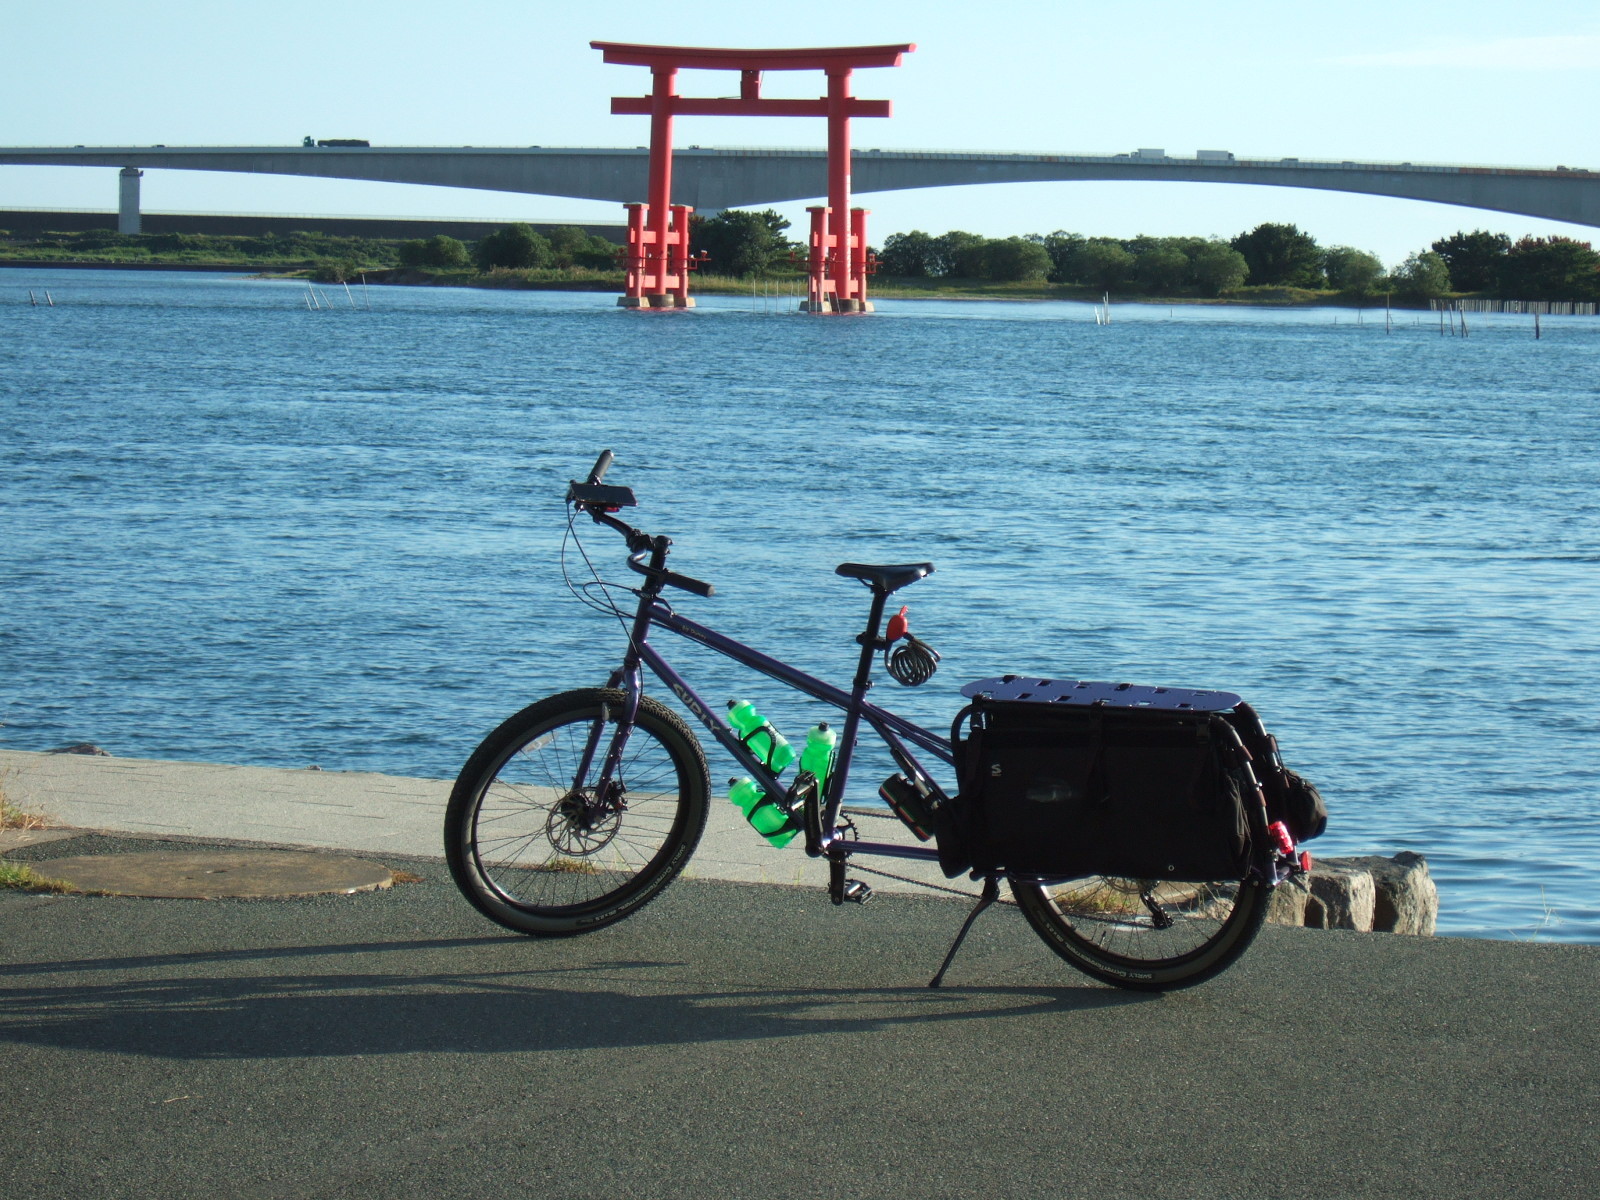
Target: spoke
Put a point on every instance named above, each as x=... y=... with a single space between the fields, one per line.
x=519 y=815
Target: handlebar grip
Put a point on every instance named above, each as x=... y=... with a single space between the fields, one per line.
x=601 y=466
x=670 y=578
x=685 y=583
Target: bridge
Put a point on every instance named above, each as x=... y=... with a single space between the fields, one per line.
x=713 y=179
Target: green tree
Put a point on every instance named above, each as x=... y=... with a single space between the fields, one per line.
x=516 y=247
x=1474 y=258
x=741 y=243
x=438 y=251
x=1555 y=268
x=910 y=255
x=1100 y=263
x=1280 y=255
x=1060 y=245
x=959 y=253
x=1351 y=270
x=1422 y=276
x=1014 y=258
x=335 y=270
x=1217 y=267
x=1159 y=264
x=572 y=247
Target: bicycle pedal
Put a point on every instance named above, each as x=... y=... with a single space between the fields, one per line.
x=856 y=892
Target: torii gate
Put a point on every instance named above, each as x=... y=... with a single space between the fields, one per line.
x=658 y=232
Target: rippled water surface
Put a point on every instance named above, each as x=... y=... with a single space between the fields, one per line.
x=240 y=530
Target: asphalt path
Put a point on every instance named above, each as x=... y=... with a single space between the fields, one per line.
x=738 y=1040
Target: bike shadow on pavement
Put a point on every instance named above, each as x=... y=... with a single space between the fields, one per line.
x=222 y=1005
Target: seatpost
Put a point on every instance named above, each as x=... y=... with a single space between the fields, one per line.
x=870 y=644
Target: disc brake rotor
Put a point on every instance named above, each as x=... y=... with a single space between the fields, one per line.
x=574 y=828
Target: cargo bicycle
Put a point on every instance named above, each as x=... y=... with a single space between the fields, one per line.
x=1140 y=830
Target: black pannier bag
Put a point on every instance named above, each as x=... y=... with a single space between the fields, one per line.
x=1066 y=779
x=1291 y=797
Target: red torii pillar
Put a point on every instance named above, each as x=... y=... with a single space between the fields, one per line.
x=658 y=232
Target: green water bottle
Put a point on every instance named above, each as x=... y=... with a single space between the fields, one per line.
x=765 y=742
x=764 y=814
x=817 y=757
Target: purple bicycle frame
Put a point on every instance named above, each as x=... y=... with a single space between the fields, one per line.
x=894 y=730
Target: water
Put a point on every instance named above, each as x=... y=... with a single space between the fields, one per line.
x=238 y=530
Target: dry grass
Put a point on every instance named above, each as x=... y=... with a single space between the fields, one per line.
x=1120 y=897
x=569 y=866
x=14 y=817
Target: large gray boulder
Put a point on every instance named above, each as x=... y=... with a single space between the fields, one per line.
x=1407 y=900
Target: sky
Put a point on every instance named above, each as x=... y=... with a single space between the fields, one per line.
x=1367 y=80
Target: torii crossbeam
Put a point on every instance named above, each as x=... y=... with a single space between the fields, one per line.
x=658 y=231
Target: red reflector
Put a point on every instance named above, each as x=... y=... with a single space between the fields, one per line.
x=1305 y=860
x=1280 y=835
x=898 y=625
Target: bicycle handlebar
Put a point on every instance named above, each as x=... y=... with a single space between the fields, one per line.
x=670 y=578
x=600 y=501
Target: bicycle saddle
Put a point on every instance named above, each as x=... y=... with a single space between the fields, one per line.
x=885 y=579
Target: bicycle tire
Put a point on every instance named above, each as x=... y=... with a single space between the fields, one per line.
x=523 y=840
x=1103 y=927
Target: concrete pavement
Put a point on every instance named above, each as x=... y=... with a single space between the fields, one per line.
x=738 y=1041
x=728 y=1040
x=355 y=810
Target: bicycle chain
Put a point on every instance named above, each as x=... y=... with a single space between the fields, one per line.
x=933 y=887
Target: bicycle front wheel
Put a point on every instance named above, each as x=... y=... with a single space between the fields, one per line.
x=1143 y=934
x=536 y=847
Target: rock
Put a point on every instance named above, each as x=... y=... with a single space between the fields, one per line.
x=80 y=748
x=1407 y=900
x=1366 y=893
x=1341 y=897
x=1287 y=905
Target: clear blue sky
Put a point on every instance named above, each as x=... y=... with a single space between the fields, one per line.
x=1464 y=81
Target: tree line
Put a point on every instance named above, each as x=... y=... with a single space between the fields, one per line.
x=1270 y=255
x=516 y=247
x=742 y=243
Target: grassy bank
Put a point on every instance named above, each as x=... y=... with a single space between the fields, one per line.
x=882 y=287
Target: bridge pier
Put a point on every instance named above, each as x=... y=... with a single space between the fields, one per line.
x=128 y=200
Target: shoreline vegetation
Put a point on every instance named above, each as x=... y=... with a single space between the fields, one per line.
x=709 y=284
x=748 y=254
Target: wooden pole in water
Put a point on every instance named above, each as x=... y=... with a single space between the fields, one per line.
x=32 y=299
x=347 y=294
x=1536 y=326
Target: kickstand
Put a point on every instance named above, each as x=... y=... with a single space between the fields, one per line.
x=991 y=893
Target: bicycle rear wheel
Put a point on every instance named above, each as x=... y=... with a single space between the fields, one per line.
x=532 y=843
x=1142 y=934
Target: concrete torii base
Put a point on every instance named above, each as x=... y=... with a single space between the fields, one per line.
x=667 y=301
x=834 y=305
